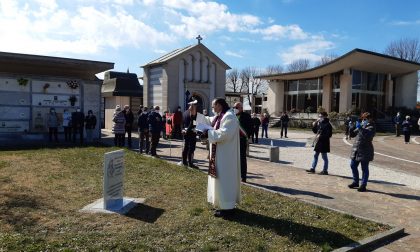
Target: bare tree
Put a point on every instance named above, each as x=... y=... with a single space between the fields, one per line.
x=274 y=69
x=405 y=48
x=326 y=59
x=251 y=84
x=233 y=81
x=298 y=65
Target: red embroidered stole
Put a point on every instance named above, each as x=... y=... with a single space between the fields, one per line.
x=212 y=162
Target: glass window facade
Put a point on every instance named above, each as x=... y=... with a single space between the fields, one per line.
x=303 y=95
x=368 y=91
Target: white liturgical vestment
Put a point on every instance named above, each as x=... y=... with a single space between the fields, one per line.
x=224 y=191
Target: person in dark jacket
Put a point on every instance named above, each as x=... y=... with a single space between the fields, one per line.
x=348 y=123
x=129 y=119
x=397 y=122
x=90 y=124
x=155 y=128
x=77 y=122
x=245 y=131
x=362 y=151
x=189 y=120
x=177 y=123
x=264 y=125
x=284 y=124
x=144 y=142
x=256 y=123
x=323 y=130
x=406 y=129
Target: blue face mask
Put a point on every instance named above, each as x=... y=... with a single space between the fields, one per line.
x=364 y=122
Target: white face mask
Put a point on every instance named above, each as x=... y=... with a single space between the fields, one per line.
x=214 y=112
x=236 y=111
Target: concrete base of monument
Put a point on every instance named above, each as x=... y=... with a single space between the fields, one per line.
x=98 y=206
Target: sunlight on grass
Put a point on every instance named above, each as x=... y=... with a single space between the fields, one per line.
x=42 y=190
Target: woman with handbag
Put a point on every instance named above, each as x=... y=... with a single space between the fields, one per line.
x=323 y=130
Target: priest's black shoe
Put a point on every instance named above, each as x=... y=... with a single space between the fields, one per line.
x=353 y=185
x=193 y=166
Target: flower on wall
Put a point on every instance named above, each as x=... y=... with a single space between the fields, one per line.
x=73 y=84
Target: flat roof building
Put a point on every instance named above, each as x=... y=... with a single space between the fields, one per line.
x=32 y=84
x=360 y=79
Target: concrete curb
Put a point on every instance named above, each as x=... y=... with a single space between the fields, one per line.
x=373 y=241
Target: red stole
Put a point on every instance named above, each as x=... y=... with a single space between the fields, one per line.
x=212 y=163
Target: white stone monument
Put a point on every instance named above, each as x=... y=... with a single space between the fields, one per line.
x=113 y=200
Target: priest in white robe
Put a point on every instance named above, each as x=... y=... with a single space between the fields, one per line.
x=224 y=169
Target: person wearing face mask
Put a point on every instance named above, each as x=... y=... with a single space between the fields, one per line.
x=245 y=131
x=177 y=123
x=155 y=128
x=52 y=125
x=90 y=124
x=77 y=122
x=323 y=130
x=362 y=151
x=223 y=190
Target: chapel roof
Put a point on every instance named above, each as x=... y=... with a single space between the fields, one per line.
x=181 y=51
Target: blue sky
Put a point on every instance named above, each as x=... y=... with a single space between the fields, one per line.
x=243 y=33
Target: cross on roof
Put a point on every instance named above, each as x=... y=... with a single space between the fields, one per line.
x=199 y=38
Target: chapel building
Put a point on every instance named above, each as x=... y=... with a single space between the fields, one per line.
x=175 y=78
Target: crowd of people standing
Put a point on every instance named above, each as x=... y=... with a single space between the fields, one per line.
x=74 y=124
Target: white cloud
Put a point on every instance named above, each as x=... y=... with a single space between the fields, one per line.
x=405 y=23
x=233 y=54
x=159 y=51
x=312 y=50
x=277 y=32
x=200 y=17
x=42 y=27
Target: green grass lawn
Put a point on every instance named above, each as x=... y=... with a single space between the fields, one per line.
x=41 y=192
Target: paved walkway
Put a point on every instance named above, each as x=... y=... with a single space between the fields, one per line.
x=393 y=197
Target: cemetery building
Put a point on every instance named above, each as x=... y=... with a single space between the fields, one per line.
x=30 y=85
x=360 y=79
x=193 y=71
x=120 y=88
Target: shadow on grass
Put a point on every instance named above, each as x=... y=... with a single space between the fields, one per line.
x=294 y=231
x=16 y=210
x=145 y=213
x=292 y=191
